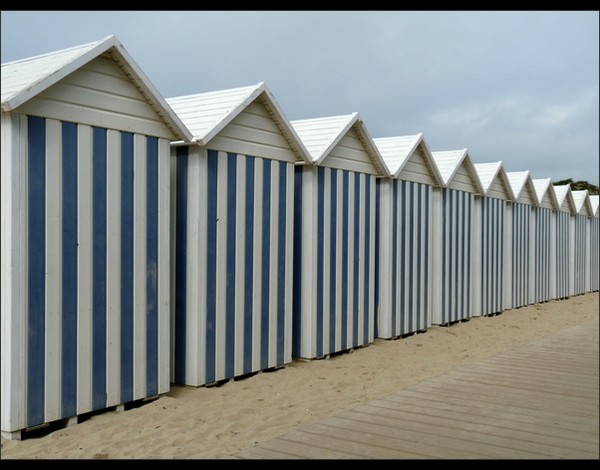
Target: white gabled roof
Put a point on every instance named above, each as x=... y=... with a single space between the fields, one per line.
x=396 y=151
x=449 y=161
x=321 y=135
x=519 y=181
x=24 y=79
x=543 y=186
x=562 y=192
x=206 y=114
x=488 y=172
x=582 y=200
x=595 y=203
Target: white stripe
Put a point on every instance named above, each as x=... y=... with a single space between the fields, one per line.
x=195 y=270
x=172 y=257
x=350 y=255
x=11 y=414
x=84 y=269
x=257 y=268
x=384 y=313
x=139 y=266
x=164 y=273
x=221 y=277
x=200 y=326
x=53 y=270
x=240 y=264
x=371 y=224
x=310 y=184
x=113 y=268
x=480 y=259
x=362 y=228
x=326 y=203
x=289 y=265
x=273 y=245
x=339 y=279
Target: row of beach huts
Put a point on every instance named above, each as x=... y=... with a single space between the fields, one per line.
x=195 y=239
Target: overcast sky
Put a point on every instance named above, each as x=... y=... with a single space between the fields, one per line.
x=521 y=87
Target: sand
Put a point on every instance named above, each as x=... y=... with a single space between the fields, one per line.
x=218 y=422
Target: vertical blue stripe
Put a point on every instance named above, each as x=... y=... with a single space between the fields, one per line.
x=320 y=256
x=394 y=312
x=98 y=268
x=127 y=222
x=249 y=263
x=464 y=273
x=377 y=235
x=444 y=254
x=469 y=229
x=211 y=263
x=69 y=271
x=411 y=267
x=266 y=262
x=368 y=224
x=419 y=242
x=281 y=245
x=345 y=254
x=402 y=241
x=451 y=276
x=332 y=270
x=355 y=286
x=230 y=266
x=152 y=266
x=426 y=238
x=36 y=268
x=181 y=263
x=484 y=206
x=298 y=253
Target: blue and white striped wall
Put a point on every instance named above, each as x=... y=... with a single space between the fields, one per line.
x=403 y=282
x=580 y=254
x=488 y=265
x=562 y=249
x=86 y=292
x=452 y=250
x=232 y=264
x=543 y=244
x=594 y=252
x=334 y=261
x=518 y=257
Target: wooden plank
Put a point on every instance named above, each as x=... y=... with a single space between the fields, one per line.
x=495 y=427
x=546 y=423
x=479 y=436
x=492 y=397
x=405 y=443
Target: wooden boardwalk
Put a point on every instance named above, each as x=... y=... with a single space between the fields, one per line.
x=538 y=401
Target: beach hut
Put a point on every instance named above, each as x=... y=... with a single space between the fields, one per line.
x=594 y=243
x=544 y=241
x=563 y=245
x=453 y=237
x=403 y=256
x=334 y=237
x=488 y=235
x=232 y=228
x=85 y=239
x=581 y=242
x=519 y=260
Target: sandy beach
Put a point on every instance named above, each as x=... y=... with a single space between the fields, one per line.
x=218 y=422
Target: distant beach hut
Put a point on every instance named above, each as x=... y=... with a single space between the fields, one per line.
x=519 y=260
x=85 y=237
x=488 y=234
x=594 y=243
x=232 y=233
x=544 y=243
x=335 y=236
x=403 y=281
x=581 y=244
x=564 y=238
x=453 y=236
